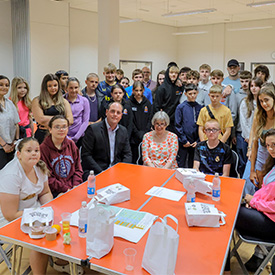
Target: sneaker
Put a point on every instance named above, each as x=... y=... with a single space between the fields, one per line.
x=253 y=263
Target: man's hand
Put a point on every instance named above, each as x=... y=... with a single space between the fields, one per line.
x=227 y=91
x=187 y=144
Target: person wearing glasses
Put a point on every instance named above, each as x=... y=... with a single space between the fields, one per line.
x=160 y=147
x=149 y=83
x=216 y=110
x=212 y=155
x=61 y=156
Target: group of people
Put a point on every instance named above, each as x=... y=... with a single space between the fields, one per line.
x=187 y=118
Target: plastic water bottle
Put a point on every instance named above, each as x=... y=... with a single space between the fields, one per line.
x=83 y=220
x=191 y=194
x=216 y=189
x=91 y=185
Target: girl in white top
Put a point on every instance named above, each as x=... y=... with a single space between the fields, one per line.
x=24 y=184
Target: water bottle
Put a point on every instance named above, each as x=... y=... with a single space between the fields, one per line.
x=216 y=189
x=91 y=185
x=83 y=220
x=191 y=194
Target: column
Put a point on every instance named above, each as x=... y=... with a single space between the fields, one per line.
x=108 y=33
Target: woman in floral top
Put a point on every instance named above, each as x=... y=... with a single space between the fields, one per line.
x=160 y=147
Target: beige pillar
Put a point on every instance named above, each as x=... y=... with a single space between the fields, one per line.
x=108 y=33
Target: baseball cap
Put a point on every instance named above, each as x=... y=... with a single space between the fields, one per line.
x=233 y=62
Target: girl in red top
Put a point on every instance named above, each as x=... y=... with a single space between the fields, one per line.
x=20 y=97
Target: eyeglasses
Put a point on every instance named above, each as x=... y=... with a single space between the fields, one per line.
x=271 y=146
x=57 y=127
x=160 y=124
x=146 y=72
x=214 y=130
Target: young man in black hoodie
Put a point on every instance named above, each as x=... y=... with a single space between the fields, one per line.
x=168 y=96
x=142 y=115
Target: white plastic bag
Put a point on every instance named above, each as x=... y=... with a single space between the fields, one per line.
x=113 y=194
x=203 y=214
x=160 y=254
x=43 y=215
x=100 y=232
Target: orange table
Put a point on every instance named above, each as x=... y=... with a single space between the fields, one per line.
x=201 y=250
x=138 y=178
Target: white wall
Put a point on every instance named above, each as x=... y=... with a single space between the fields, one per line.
x=148 y=42
x=6 y=54
x=156 y=44
x=49 y=24
x=65 y=38
x=220 y=44
x=83 y=44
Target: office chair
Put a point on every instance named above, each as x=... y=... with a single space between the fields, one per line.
x=255 y=241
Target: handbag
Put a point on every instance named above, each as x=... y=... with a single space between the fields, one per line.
x=100 y=232
x=160 y=254
x=203 y=214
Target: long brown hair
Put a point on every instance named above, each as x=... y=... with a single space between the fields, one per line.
x=41 y=164
x=14 y=92
x=3 y=77
x=45 y=99
x=261 y=116
x=249 y=99
x=270 y=162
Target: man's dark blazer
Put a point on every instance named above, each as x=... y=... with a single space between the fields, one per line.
x=95 y=152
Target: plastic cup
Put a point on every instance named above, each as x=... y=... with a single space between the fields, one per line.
x=130 y=254
x=66 y=218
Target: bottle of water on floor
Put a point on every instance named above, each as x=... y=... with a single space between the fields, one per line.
x=83 y=220
x=216 y=189
x=91 y=185
x=191 y=194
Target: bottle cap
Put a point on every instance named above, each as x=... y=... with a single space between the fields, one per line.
x=92 y=172
x=216 y=174
x=84 y=204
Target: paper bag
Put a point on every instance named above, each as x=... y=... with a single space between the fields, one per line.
x=100 y=232
x=43 y=215
x=160 y=254
x=113 y=194
x=202 y=214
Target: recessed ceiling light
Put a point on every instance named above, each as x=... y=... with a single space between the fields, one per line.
x=250 y=28
x=188 y=33
x=171 y=14
x=130 y=20
x=259 y=4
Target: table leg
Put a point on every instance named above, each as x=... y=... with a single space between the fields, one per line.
x=13 y=259
x=20 y=259
x=73 y=268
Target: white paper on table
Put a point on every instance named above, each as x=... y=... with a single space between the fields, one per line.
x=165 y=193
x=130 y=225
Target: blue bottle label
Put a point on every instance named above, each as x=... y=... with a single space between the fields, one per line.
x=85 y=227
x=91 y=191
x=193 y=199
x=216 y=193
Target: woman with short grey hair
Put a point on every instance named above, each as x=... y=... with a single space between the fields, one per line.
x=160 y=147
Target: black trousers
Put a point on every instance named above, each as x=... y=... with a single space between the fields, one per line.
x=5 y=157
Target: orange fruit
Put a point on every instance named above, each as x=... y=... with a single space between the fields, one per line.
x=57 y=227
